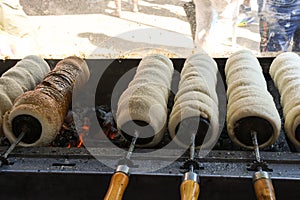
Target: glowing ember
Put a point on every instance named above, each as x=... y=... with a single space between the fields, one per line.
x=86 y=128
x=86 y=125
x=80 y=144
x=70 y=136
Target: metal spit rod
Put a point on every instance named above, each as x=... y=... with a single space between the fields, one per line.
x=192 y=151
x=120 y=179
x=256 y=148
x=263 y=186
x=11 y=148
x=189 y=188
x=132 y=146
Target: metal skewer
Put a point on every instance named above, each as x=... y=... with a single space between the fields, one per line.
x=256 y=148
x=3 y=158
x=263 y=186
x=189 y=188
x=132 y=146
x=120 y=179
x=192 y=151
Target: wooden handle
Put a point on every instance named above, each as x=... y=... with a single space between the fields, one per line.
x=264 y=189
x=117 y=186
x=189 y=190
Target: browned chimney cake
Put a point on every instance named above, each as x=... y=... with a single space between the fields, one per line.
x=40 y=113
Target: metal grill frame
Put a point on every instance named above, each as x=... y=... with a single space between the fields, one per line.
x=62 y=173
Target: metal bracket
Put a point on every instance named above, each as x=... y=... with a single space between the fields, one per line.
x=256 y=166
x=4 y=161
x=186 y=166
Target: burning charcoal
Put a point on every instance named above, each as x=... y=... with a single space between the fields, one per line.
x=40 y=113
x=68 y=136
x=108 y=124
x=104 y=115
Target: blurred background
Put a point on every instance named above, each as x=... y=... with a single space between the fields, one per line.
x=95 y=28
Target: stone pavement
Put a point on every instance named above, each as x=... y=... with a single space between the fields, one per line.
x=89 y=29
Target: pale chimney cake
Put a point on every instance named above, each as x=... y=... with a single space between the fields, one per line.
x=195 y=103
x=285 y=71
x=24 y=76
x=250 y=106
x=142 y=107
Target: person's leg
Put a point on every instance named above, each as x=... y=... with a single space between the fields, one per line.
x=118 y=7
x=296 y=36
x=281 y=24
x=280 y=35
x=135 y=6
x=263 y=28
x=278 y=40
x=204 y=16
x=17 y=29
x=260 y=4
x=264 y=32
x=14 y=20
x=296 y=40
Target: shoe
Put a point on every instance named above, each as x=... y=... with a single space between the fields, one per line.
x=245 y=22
x=245 y=9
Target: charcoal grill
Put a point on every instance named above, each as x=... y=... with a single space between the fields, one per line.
x=73 y=173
